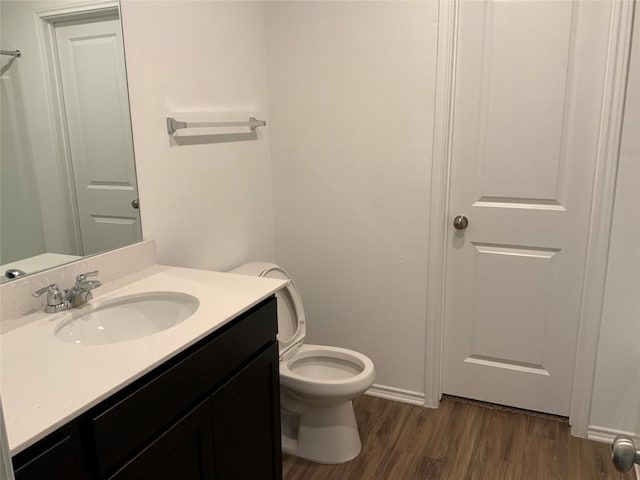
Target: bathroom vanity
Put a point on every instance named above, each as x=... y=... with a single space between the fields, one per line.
x=175 y=408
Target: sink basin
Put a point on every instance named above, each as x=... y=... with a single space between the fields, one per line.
x=128 y=318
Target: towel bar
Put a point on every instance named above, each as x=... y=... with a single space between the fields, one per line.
x=173 y=124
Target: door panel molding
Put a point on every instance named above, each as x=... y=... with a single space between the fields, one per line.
x=499 y=295
x=500 y=97
x=509 y=364
x=600 y=218
x=532 y=203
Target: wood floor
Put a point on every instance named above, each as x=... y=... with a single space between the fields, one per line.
x=460 y=441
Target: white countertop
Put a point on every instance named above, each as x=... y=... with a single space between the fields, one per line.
x=46 y=382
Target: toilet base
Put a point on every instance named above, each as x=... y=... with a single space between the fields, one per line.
x=325 y=434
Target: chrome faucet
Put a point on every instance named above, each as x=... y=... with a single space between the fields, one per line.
x=14 y=273
x=73 y=297
x=80 y=293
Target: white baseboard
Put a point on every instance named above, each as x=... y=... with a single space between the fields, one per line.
x=396 y=394
x=605 y=435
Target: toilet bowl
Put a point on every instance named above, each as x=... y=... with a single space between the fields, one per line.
x=317 y=382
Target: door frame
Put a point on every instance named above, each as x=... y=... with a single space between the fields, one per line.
x=613 y=96
x=46 y=19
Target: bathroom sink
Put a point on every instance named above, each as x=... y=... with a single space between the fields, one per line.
x=127 y=318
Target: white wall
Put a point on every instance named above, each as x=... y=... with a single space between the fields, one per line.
x=208 y=206
x=616 y=396
x=351 y=88
x=350 y=116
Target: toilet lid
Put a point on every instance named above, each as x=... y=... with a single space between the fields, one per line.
x=291 y=321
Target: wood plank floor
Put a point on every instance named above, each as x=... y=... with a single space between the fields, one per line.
x=460 y=441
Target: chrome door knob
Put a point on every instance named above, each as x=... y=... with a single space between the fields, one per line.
x=460 y=222
x=624 y=453
x=135 y=204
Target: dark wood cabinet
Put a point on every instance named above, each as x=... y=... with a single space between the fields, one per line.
x=59 y=457
x=184 y=451
x=246 y=419
x=212 y=412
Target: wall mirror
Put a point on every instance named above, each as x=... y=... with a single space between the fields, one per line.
x=67 y=174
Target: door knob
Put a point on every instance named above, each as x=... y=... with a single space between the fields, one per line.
x=460 y=222
x=624 y=453
x=135 y=204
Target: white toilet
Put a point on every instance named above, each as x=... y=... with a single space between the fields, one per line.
x=317 y=382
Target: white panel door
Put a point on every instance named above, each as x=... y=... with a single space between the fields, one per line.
x=96 y=102
x=528 y=91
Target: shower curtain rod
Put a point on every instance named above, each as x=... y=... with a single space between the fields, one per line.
x=13 y=53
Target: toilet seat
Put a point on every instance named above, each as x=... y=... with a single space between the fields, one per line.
x=310 y=369
x=291 y=335
x=343 y=370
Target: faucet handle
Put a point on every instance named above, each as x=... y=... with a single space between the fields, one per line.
x=49 y=289
x=83 y=276
x=55 y=300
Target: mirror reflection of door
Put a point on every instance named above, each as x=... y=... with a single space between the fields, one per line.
x=96 y=107
x=67 y=165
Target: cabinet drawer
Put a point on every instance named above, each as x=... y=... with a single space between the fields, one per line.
x=162 y=396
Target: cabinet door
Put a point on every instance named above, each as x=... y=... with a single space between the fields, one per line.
x=246 y=422
x=58 y=462
x=184 y=451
